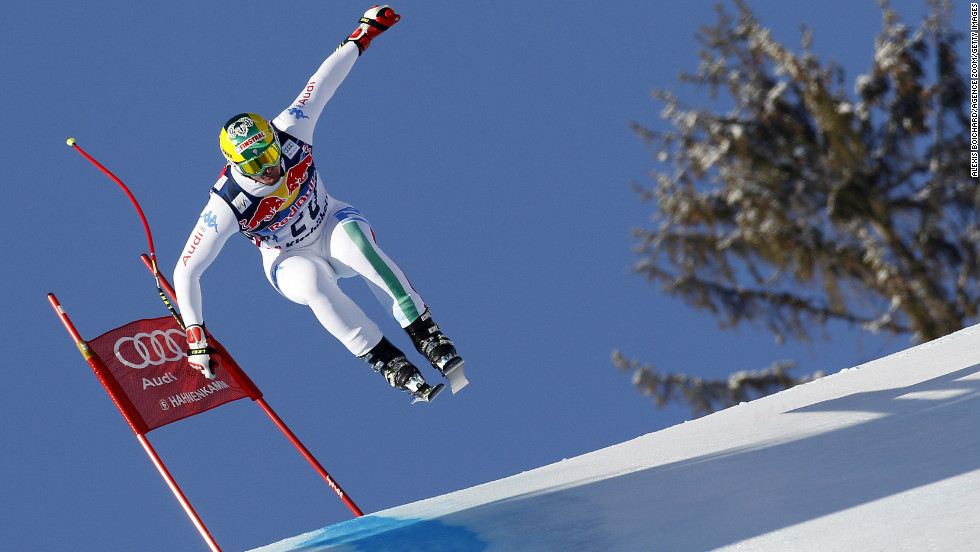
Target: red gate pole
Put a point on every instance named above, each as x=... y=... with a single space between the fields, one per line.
x=135 y=421
x=271 y=413
x=309 y=457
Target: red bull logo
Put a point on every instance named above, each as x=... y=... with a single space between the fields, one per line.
x=299 y=173
x=264 y=212
x=282 y=198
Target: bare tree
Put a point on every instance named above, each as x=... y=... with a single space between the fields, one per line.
x=802 y=203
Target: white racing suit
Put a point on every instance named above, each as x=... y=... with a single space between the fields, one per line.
x=308 y=240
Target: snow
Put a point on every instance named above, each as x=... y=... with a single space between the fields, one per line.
x=884 y=456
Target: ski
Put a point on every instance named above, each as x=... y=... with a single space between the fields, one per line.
x=430 y=395
x=454 y=373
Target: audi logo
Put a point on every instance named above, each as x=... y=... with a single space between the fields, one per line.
x=144 y=349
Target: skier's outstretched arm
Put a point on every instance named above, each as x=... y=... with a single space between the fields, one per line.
x=299 y=119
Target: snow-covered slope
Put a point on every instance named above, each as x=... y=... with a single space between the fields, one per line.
x=885 y=456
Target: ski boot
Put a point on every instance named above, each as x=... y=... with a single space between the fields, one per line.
x=438 y=349
x=400 y=373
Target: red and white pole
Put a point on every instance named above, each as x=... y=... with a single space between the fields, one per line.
x=132 y=417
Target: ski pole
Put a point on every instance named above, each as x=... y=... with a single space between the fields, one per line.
x=146 y=226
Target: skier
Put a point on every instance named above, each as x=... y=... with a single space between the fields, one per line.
x=270 y=191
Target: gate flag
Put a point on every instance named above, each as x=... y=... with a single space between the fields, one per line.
x=147 y=361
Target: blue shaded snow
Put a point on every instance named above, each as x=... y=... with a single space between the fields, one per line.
x=384 y=534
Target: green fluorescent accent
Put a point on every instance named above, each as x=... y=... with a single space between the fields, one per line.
x=362 y=242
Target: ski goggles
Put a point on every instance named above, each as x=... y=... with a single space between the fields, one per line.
x=257 y=165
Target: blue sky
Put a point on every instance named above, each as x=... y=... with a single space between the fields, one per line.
x=488 y=144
